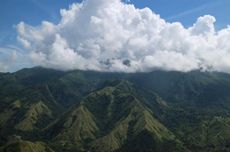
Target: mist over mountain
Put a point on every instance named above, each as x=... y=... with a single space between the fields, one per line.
x=157 y=111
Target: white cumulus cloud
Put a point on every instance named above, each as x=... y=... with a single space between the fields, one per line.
x=13 y=58
x=7 y=58
x=110 y=35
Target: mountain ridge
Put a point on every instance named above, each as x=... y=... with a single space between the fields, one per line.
x=78 y=110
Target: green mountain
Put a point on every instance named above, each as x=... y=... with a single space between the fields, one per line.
x=25 y=146
x=107 y=120
x=115 y=112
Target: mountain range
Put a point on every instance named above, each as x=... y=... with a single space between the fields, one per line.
x=46 y=110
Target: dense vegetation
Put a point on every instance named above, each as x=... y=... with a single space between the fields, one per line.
x=83 y=111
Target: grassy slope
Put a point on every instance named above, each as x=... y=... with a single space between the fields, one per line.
x=184 y=102
x=26 y=146
x=106 y=119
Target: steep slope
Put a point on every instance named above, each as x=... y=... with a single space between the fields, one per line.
x=25 y=117
x=26 y=146
x=138 y=121
x=35 y=117
x=7 y=113
x=211 y=135
x=100 y=111
x=73 y=129
x=107 y=119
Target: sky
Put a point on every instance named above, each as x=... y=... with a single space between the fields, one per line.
x=19 y=47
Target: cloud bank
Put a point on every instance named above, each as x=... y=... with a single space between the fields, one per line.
x=109 y=35
x=13 y=58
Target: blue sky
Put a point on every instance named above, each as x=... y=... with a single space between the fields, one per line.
x=15 y=55
x=34 y=11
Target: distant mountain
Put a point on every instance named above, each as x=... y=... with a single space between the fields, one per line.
x=115 y=112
